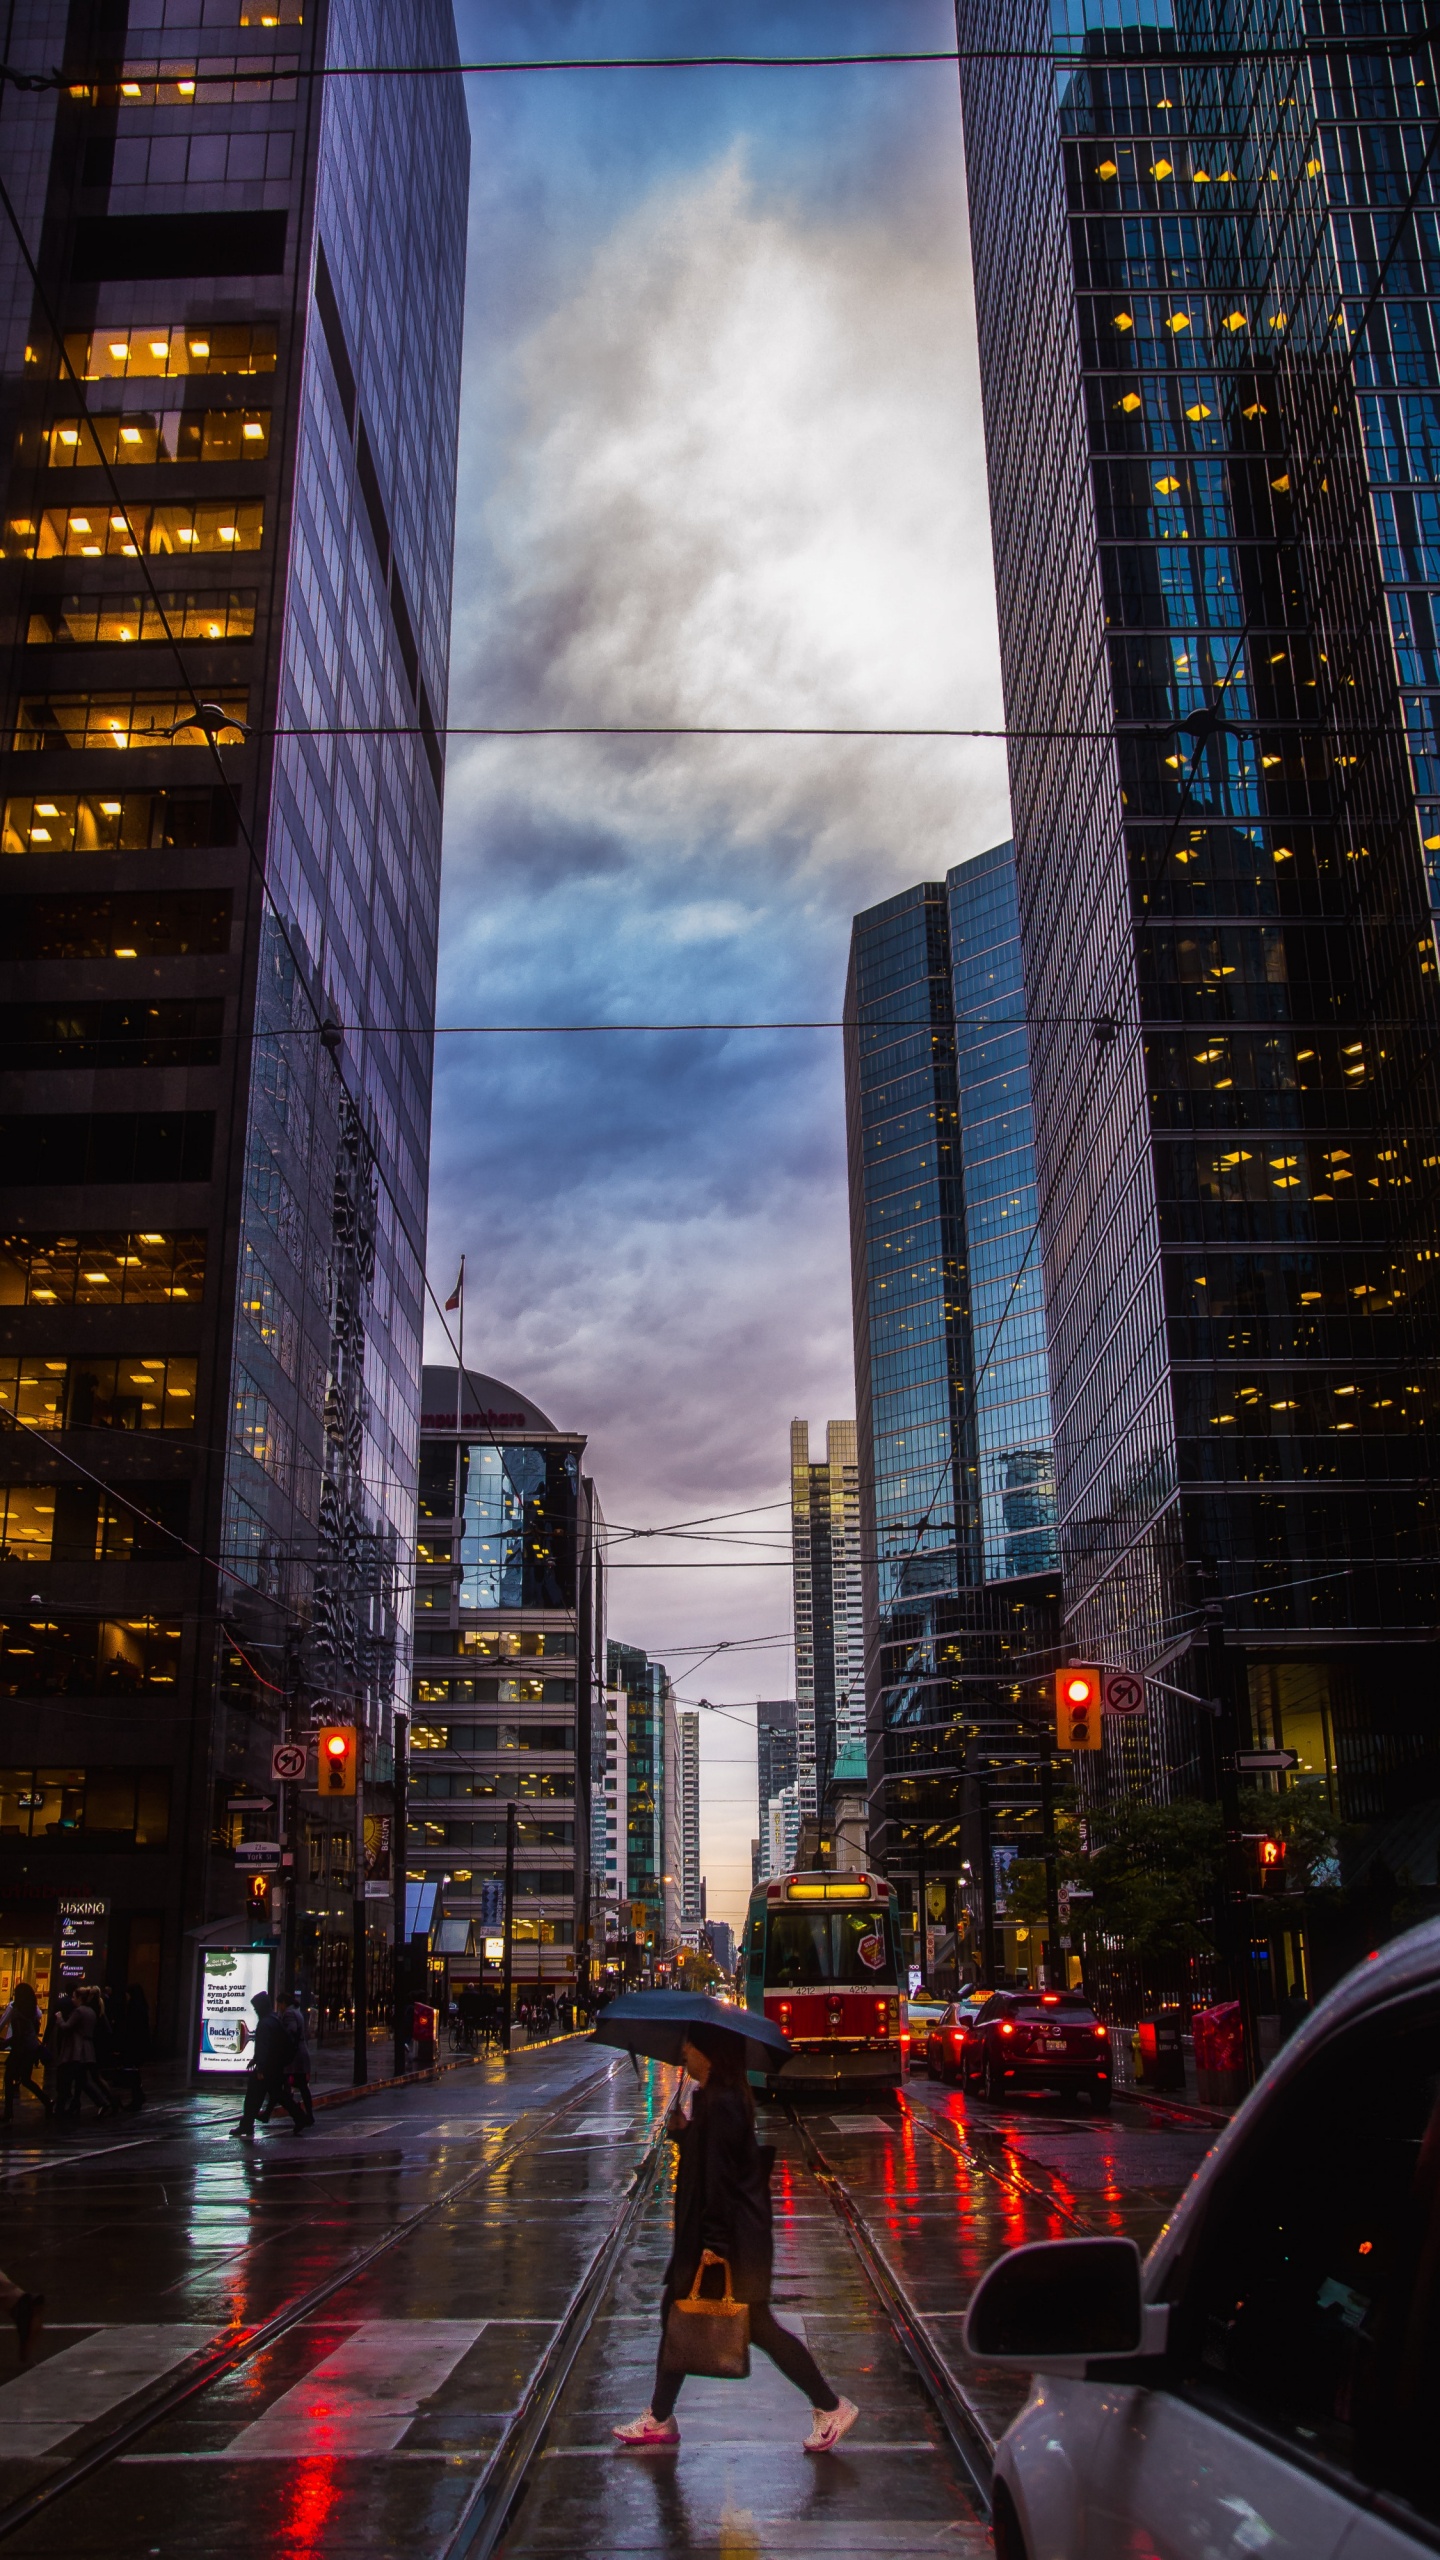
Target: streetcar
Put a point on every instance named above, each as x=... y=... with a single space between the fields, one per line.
x=822 y=1958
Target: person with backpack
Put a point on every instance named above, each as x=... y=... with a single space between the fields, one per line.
x=722 y=2211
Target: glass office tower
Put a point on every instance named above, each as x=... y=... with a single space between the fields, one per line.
x=230 y=409
x=651 y=1761
x=1014 y=1458
x=961 y=1596
x=509 y=1652
x=1207 y=303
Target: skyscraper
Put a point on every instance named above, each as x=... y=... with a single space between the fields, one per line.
x=652 y=1862
x=1207 y=342
x=229 y=388
x=829 y=1615
x=775 y=1760
x=961 y=1594
x=509 y=1653
x=687 y=1734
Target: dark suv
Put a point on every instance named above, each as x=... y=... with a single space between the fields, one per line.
x=1037 y=2040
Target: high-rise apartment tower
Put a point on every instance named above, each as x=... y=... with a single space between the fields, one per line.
x=829 y=1617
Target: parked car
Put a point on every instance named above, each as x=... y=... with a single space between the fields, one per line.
x=1037 y=2040
x=1266 y=2380
x=925 y=2014
x=946 y=2042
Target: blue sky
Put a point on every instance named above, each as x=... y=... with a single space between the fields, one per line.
x=721 y=462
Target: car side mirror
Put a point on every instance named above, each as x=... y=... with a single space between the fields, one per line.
x=1058 y=2305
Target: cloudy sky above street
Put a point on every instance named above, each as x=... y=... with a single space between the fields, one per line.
x=721 y=462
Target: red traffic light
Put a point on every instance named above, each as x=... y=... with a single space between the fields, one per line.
x=1077 y=1707
x=338 y=1756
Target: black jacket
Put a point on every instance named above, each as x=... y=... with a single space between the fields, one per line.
x=722 y=2196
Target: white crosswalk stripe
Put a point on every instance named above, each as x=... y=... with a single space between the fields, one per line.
x=861 y=2124
x=42 y=2407
x=362 y=2398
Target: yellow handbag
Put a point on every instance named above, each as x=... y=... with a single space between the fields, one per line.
x=706 y=2334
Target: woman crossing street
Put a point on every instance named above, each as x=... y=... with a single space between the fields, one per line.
x=722 y=2207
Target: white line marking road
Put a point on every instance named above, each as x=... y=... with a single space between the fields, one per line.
x=362 y=2398
x=40 y=2408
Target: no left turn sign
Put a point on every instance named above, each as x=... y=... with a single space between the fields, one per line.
x=1122 y=1693
x=287 y=1761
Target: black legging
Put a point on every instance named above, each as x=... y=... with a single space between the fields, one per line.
x=780 y=2345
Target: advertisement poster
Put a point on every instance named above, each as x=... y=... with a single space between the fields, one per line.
x=230 y=1981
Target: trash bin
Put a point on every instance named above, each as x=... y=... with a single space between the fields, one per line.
x=1159 y=2053
x=1220 y=2055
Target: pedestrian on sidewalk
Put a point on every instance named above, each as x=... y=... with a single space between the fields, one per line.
x=722 y=2203
x=21 y=2026
x=266 y=2078
x=27 y=2310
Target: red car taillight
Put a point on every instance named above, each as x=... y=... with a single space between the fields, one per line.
x=1103 y=2033
x=957 y=2036
x=1006 y=2028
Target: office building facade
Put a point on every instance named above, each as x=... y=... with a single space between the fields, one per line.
x=651 y=1834
x=230 y=409
x=1207 y=341
x=775 y=1764
x=509 y=1662
x=829 y=1613
x=608 y=1797
x=961 y=1591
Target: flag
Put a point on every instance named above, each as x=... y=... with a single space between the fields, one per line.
x=453 y=1301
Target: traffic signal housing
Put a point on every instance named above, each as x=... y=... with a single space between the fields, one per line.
x=338 y=1757
x=1077 y=1707
x=1272 y=1857
x=257 y=1888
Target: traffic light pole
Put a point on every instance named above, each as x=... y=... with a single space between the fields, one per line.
x=1234 y=1879
x=290 y=1825
x=507 y=1995
x=361 y=2071
x=1054 y=1961
x=400 y=1965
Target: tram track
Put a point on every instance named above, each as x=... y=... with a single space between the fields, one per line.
x=227 y=2353
x=968 y=2435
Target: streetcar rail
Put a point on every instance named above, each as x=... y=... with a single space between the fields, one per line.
x=222 y=2357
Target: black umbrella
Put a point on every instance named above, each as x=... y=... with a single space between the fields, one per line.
x=657 y=2022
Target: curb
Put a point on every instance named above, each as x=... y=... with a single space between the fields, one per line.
x=436 y=2071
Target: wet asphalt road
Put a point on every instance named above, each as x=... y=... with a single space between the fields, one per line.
x=364 y=2428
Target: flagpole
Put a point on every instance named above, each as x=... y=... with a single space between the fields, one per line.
x=460 y=1361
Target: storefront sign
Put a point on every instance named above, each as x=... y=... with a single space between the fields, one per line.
x=82 y=1939
x=231 y=1978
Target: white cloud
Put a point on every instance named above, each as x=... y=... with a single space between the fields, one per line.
x=739 y=479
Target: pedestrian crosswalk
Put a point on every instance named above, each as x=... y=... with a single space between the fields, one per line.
x=361 y=2398
x=358 y=2398
x=85 y=2382
x=861 y=2124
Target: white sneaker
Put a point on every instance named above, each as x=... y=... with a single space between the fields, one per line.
x=830 y=2425
x=648 y=2430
